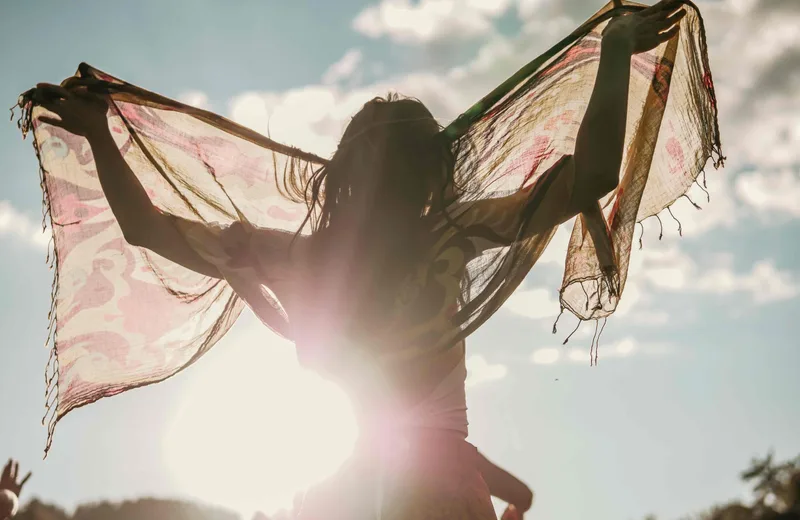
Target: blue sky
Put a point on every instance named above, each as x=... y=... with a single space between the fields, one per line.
x=696 y=374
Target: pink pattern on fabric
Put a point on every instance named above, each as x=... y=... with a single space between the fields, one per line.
x=677 y=160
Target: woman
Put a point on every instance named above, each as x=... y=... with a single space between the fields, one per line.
x=370 y=295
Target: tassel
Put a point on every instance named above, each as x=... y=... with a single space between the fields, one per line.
x=680 y=228
x=641 y=235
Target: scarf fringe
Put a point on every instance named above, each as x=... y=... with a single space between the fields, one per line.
x=51 y=415
x=610 y=280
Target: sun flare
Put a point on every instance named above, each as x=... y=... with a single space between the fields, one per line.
x=255 y=428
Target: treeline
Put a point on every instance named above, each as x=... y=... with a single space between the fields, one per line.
x=775 y=485
x=776 y=493
x=143 y=509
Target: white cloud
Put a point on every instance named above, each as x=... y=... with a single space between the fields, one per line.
x=196 y=99
x=545 y=356
x=758 y=110
x=579 y=355
x=344 y=68
x=500 y=56
x=720 y=212
x=768 y=33
x=15 y=224
x=649 y=317
x=770 y=138
x=480 y=371
x=535 y=303
x=497 y=48
x=313 y=117
x=291 y=117
x=528 y=9
x=663 y=267
x=668 y=269
x=671 y=270
x=620 y=349
x=623 y=348
x=548 y=11
x=556 y=252
x=429 y=20
x=633 y=306
x=767 y=192
x=764 y=283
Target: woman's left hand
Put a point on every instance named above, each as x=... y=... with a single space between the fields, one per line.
x=646 y=29
x=79 y=111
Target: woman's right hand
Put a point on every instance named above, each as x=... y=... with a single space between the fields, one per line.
x=646 y=29
x=79 y=111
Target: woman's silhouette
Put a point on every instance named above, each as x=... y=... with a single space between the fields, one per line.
x=385 y=261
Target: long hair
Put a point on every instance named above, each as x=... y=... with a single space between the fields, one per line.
x=368 y=206
x=390 y=153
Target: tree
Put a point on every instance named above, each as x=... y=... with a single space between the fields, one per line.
x=775 y=485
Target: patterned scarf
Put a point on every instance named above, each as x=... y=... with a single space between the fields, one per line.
x=122 y=317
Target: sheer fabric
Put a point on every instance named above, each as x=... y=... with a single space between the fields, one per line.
x=123 y=317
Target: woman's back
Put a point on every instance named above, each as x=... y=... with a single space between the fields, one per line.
x=364 y=334
x=411 y=408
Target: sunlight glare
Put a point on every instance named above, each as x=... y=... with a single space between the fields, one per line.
x=255 y=428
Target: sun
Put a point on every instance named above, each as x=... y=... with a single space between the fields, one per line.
x=254 y=428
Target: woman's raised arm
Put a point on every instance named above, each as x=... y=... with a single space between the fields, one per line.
x=577 y=182
x=141 y=222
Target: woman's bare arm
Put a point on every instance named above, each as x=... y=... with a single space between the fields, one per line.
x=504 y=485
x=141 y=222
x=593 y=170
x=601 y=136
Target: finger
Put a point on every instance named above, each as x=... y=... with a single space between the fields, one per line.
x=657 y=39
x=53 y=89
x=668 y=35
x=7 y=469
x=52 y=105
x=14 y=470
x=664 y=5
x=660 y=27
x=82 y=85
x=76 y=81
x=667 y=6
x=678 y=7
x=672 y=10
x=51 y=121
x=49 y=93
x=84 y=92
x=677 y=16
x=668 y=21
x=653 y=28
x=24 y=480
